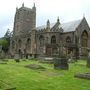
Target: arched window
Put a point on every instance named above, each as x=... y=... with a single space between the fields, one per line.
x=53 y=40
x=41 y=39
x=68 y=42
x=28 y=43
x=19 y=51
x=19 y=43
x=68 y=39
x=84 y=39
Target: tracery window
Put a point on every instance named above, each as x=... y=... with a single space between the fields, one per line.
x=84 y=39
x=28 y=44
x=53 y=40
x=68 y=39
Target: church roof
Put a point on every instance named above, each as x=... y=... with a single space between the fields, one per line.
x=67 y=27
x=44 y=26
x=70 y=26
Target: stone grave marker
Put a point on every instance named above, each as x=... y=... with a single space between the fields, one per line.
x=61 y=63
x=83 y=75
x=88 y=61
x=17 y=58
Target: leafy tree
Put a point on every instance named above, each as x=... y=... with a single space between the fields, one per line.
x=5 y=41
x=5 y=44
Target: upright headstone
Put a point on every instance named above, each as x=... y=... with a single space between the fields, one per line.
x=61 y=63
x=29 y=57
x=17 y=58
x=88 y=60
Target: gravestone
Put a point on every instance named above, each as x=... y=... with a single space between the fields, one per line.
x=35 y=67
x=83 y=75
x=29 y=57
x=61 y=63
x=88 y=60
x=17 y=58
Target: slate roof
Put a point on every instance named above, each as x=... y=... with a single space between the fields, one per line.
x=67 y=27
x=44 y=26
x=70 y=26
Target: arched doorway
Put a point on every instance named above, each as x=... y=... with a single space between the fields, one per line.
x=51 y=49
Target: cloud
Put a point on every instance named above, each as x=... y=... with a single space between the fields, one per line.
x=67 y=10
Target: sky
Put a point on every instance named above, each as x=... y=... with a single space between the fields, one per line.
x=66 y=10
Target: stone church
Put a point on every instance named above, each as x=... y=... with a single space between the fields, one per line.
x=28 y=40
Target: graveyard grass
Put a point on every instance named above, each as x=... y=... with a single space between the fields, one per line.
x=17 y=75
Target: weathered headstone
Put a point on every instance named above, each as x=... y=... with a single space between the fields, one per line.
x=88 y=60
x=17 y=58
x=61 y=63
x=29 y=57
x=83 y=75
x=35 y=67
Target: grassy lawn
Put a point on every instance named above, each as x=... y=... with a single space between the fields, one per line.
x=16 y=75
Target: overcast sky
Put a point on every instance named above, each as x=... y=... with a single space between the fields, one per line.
x=67 y=10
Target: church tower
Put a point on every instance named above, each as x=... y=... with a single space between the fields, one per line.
x=25 y=20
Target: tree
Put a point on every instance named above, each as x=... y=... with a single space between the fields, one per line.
x=7 y=34
x=5 y=44
x=5 y=41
